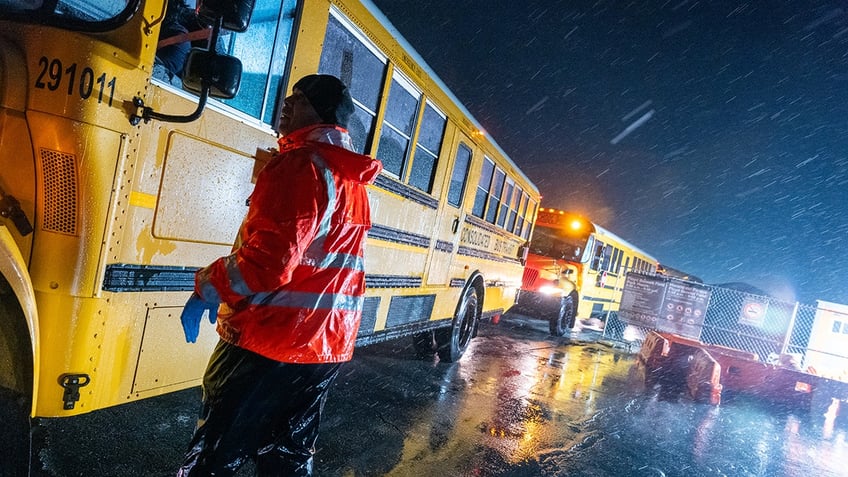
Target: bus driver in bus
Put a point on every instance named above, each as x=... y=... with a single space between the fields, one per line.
x=288 y=298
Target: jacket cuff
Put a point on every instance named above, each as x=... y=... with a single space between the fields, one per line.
x=203 y=285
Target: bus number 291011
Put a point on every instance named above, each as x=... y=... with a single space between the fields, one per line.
x=52 y=74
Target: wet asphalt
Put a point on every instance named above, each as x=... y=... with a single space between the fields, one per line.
x=520 y=403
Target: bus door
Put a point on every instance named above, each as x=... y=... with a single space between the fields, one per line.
x=449 y=222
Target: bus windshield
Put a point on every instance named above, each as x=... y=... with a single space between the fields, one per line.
x=548 y=243
x=94 y=15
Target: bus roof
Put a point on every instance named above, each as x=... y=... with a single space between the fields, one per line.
x=555 y=217
x=602 y=232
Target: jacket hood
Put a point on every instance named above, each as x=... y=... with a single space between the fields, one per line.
x=336 y=148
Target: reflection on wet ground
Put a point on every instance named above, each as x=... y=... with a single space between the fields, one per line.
x=520 y=404
x=523 y=403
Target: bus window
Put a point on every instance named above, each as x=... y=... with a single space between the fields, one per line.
x=607 y=262
x=395 y=138
x=96 y=10
x=458 y=178
x=513 y=209
x=262 y=67
x=616 y=268
x=483 y=188
x=495 y=196
x=528 y=219
x=73 y=14
x=426 y=155
x=79 y=15
x=598 y=258
x=547 y=242
x=522 y=212
x=361 y=67
x=507 y=198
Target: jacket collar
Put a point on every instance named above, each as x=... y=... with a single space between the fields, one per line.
x=337 y=148
x=325 y=133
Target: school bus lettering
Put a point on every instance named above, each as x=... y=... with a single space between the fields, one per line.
x=505 y=247
x=80 y=81
x=476 y=238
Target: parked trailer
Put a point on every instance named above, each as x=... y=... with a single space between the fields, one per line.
x=706 y=372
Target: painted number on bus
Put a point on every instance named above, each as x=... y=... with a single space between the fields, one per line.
x=81 y=81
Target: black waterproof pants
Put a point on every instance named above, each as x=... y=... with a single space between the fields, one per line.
x=257 y=408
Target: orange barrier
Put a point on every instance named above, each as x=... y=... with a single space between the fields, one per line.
x=706 y=371
x=703 y=379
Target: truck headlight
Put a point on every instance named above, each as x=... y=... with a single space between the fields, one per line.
x=550 y=290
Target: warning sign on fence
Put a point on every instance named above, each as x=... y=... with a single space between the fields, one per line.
x=753 y=312
x=664 y=304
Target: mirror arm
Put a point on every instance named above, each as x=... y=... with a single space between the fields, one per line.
x=212 y=45
x=147 y=113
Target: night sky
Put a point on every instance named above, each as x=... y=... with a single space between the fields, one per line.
x=710 y=134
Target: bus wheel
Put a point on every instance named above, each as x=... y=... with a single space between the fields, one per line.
x=562 y=317
x=452 y=342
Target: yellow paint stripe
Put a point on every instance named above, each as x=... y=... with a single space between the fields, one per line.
x=140 y=199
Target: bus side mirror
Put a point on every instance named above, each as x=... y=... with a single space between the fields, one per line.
x=523 y=251
x=235 y=14
x=222 y=73
x=206 y=73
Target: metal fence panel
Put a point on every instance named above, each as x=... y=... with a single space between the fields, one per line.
x=811 y=336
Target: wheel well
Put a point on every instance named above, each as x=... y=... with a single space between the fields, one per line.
x=480 y=286
x=16 y=366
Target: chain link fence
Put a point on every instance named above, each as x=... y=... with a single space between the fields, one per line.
x=813 y=338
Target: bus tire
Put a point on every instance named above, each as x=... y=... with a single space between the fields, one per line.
x=452 y=342
x=561 y=319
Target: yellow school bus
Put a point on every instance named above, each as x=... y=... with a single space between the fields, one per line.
x=575 y=269
x=117 y=182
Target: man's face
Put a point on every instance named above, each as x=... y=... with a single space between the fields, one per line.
x=297 y=113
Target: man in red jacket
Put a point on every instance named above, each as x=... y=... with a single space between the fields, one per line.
x=289 y=297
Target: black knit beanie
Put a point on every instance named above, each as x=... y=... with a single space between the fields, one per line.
x=328 y=96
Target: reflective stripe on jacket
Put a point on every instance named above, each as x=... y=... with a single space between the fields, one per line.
x=292 y=290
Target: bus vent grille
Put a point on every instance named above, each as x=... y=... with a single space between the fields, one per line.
x=530 y=276
x=59 y=176
x=369 y=316
x=409 y=309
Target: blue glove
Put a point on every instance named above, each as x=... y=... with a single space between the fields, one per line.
x=193 y=313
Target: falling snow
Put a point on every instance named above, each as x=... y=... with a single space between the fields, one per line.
x=731 y=160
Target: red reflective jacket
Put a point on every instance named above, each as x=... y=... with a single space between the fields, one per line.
x=292 y=290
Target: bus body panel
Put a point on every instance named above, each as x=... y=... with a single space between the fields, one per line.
x=76 y=174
